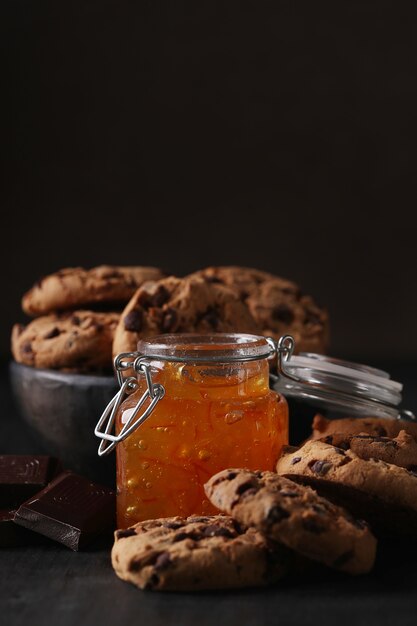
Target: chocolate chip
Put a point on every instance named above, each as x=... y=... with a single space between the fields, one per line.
x=319 y=508
x=151 y=558
x=343 y=558
x=289 y=494
x=311 y=317
x=199 y=519
x=244 y=487
x=282 y=313
x=237 y=527
x=213 y=279
x=152 y=582
x=153 y=299
x=345 y=461
x=220 y=479
x=295 y=460
x=54 y=332
x=127 y=532
x=173 y=525
x=344 y=445
x=75 y=320
x=320 y=467
x=381 y=431
x=162 y=561
x=248 y=492
x=277 y=514
x=217 y=531
x=169 y=321
x=313 y=526
x=184 y=535
x=180 y=537
x=135 y=565
x=211 y=317
x=26 y=347
x=133 y=321
x=340 y=451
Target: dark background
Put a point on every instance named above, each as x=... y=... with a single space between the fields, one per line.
x=280 y=135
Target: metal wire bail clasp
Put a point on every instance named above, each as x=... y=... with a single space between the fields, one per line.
x=283 y=349
x=128 y=385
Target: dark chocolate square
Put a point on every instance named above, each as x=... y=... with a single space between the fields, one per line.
x=71 y=510
x=21 y=476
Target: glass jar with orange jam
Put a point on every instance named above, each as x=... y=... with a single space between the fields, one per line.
x=197 y=405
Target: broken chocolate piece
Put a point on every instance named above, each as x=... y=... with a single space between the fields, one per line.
x=21 y=476
x=12 y=535
x=71 y=510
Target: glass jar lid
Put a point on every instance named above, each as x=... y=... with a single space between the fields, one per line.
x=336 y=384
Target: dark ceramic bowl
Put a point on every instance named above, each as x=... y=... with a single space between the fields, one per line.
x=63 y=409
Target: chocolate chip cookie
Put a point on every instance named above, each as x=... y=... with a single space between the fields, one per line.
x=400 y=450
x=76 y=287
x=194 y=553
x=382 y=493
x=80 y=341
x=296 y=516
x=277 y=305
x=381 y=427
x=181 y=305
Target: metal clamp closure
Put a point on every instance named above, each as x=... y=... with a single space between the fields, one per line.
x=154 y=392
x=284 y=349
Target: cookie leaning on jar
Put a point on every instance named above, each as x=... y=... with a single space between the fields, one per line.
x=181 y=305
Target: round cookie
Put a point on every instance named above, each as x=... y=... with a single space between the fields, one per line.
x=378 y=426
x=76 y=287
x=195 y=553
x=80 y=341
x=277 y=305
x=296 y=516
x=382 y=493
x=400 y=450
x=181 y=305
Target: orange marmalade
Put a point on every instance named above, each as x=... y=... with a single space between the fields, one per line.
x=217 y=412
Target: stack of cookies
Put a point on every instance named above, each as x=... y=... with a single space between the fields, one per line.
x=270 y=526
x=82 y=317
x=76 y=312
x=368 y=465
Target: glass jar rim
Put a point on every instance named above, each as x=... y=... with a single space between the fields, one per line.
x=198 y=348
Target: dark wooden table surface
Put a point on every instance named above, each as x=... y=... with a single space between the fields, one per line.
x=49 y=584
